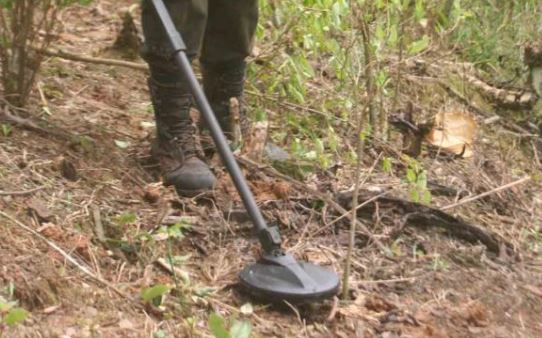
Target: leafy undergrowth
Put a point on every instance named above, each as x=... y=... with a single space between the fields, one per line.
x=170 y=265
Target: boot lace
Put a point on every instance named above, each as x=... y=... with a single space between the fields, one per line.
x=184 y=139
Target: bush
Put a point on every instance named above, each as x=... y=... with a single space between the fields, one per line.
x=26 y=27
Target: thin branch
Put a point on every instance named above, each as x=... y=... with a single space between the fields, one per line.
x=20 y=192
x=88 y=59
x=487 y=193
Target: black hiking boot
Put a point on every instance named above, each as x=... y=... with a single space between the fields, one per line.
x=223 y=85
x=176 y=147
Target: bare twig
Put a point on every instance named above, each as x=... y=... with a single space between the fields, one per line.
x=88 y=59
x=98 y=226
x=334 y=309
x=359 y=206
x=368 y=72
x=288 y=104
x=20 y=192
x=175 y=271
x=487 y=193
x=22 y=122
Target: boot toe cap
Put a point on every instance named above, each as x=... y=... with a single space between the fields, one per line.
x=192 y=178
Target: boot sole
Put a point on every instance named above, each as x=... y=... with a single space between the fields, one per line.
x=190 y=193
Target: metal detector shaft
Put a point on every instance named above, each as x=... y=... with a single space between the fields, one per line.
x=269 y=237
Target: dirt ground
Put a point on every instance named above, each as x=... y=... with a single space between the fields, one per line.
x=432 y=285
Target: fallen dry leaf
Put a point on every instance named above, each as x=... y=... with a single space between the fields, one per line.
x=152 y=193
x=66 y=168
x=477 y=314
x=38 y=209
x=281 y=190
x=533 y=289
x=52 y=231
x=79 y=242
x=379 y=304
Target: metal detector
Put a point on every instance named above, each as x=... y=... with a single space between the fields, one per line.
x=277 y=276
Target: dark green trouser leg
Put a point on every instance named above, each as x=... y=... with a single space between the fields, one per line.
x=221 y=31
x=228 y=41
x=230 y=30
x=190 y=18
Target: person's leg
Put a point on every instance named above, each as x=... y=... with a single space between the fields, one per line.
x=175 y=146
x=228 y=41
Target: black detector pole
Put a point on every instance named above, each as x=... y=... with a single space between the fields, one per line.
x=278 y=275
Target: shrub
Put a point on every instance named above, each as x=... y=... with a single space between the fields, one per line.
x=26 y=27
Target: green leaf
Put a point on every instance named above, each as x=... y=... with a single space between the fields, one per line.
x=426 y=197
x=414 y=195
x=241 y=329
x=381 y=79
x=6 y=130
x=126 y=218
x=15 y=316
x=421 y=180
x=160 y=334
x=204 y=291
x=418 y=46
x=7 y=4
x=386 y=165
x=150 y=294
x=393 y=36
x=410 y=175
x=217 y=326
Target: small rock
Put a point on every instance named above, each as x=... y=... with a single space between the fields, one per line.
x=275 y=153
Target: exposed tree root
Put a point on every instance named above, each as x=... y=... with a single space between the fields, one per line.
x=7 y=116
x=415 y=214
x=419 y=215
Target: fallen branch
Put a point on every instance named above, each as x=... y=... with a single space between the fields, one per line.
x=509 y=98
x=22 y=122
x=7 y=116
x=487 y=193
x=95 y=60
x=416 y=214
